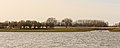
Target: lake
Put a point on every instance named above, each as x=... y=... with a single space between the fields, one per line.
x=93 y=39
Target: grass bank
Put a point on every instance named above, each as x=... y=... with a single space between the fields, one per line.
x=115 y=30
x=76 y=29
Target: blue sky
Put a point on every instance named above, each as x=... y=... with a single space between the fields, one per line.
x=108 y=10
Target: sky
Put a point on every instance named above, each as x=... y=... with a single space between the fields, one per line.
x=40 y=10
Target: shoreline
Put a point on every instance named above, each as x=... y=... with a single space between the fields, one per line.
x=70 y=29
x=49 y=30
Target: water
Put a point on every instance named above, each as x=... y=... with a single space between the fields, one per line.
x=60 y=40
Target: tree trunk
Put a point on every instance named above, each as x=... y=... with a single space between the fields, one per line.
x=29 y=27
x=23 y=27
x=66 y=26
x=46 y=27
x=34 y=27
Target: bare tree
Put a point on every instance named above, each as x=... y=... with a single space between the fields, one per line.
x=67 y=22
x=51 y=22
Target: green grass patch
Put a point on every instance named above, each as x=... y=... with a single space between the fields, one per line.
x=48 y=30
x=115 y=30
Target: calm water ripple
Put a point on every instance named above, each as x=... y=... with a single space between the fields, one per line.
x=59 y=40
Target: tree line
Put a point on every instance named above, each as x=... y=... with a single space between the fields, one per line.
x=91 y=23
x=51 y=23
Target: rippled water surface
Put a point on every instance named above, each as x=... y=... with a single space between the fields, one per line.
x=59 y=40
